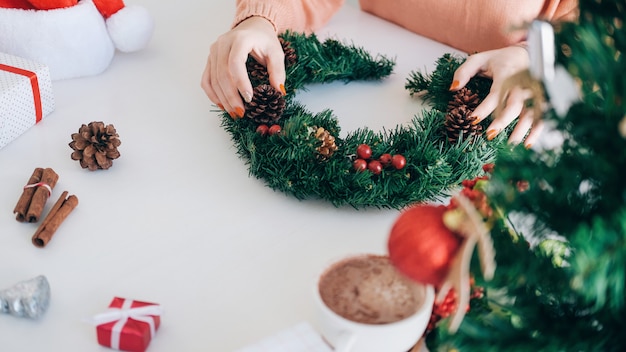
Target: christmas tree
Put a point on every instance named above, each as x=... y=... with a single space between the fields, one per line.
x=560 y=279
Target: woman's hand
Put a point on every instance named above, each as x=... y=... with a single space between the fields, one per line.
x=499 y=65
x=225 y=78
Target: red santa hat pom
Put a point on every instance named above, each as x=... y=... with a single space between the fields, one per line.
x=130 y=27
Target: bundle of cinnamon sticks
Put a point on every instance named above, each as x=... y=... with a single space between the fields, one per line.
x=31 y=204
x=35 y=195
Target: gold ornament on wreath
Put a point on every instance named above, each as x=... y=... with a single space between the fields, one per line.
x=304 y=155
x=328 y=146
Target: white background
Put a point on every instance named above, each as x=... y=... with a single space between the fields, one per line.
x=177 y=220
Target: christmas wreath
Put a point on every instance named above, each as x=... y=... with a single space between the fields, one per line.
x=301 y=154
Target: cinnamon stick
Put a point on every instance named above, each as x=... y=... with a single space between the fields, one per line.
x=61 y=209
x=35 y=195
x=27 y=194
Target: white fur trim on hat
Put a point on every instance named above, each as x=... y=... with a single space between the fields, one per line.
x=130 y=28
x=72 y=42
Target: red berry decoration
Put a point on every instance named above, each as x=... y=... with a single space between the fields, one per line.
x=360 y=165
x=488 y=167
x=421 y=246
x=364 y=151
x=375 y=167
x=275 y=129
x=448 y=306
x=385 y=159
x=262 y=130
x=398 y=161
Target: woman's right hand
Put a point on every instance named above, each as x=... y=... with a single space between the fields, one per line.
x=225 y=78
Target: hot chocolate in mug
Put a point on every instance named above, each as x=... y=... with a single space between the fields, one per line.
x=364 y=305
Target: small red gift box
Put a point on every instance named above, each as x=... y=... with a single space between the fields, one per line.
x=128 y=325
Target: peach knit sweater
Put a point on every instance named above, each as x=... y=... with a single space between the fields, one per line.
x=468 y=25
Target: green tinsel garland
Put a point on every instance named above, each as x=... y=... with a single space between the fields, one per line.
x=288 y=162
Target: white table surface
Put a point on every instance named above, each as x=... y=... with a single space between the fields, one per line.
x=177 y=220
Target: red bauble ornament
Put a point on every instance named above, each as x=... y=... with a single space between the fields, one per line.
x=375 y=167
x=364 y=151
x=274 y=129
x=421 y=246
x=398 y=161
x=360 y=165
x=385 y=159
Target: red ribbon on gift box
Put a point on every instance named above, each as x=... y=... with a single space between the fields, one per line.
x=128 y=325
x=34 y=82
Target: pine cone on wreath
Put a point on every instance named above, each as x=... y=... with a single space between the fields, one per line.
x=458 y=117
x=258 y=72
x=95 y=146
x=328 y=146
x=290 y=53
x=267 y=105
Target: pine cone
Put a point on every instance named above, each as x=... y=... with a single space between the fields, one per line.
x=258 y=72
x=267 y=105
x=95 y=145
x=290 y=53
x=328 y=146
x=458 y=120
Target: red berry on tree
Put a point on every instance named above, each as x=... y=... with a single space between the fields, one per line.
x=375 y=167
x=360 y=165
x=398 y=161
x=275 y=129
x=468 y=183
x=262 y=130
x=522 y=185
x=385 y=159
x=364 y=151
x=488 y=167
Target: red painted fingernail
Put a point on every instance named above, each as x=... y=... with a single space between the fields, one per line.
x=475 y=120
x=282 y=89
x=454 y=85
x=491 y=134
x=232 y=115
x=220 y=106
x=239 y=111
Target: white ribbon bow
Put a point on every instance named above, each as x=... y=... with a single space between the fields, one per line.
x=122 y=314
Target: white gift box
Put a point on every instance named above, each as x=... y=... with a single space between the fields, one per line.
x=25 y=96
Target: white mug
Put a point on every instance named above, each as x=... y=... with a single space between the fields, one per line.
x=350 y=336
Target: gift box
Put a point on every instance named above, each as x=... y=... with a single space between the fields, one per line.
x=25 y=95
x=128 y=325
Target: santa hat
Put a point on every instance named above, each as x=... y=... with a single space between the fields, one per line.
x=130 y=27
x=73 y=38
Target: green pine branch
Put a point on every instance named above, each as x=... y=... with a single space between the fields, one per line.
x=434 y=87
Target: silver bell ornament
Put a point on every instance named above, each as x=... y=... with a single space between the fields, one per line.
x=27 y=299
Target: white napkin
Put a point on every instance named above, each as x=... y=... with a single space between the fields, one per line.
x=298 y=338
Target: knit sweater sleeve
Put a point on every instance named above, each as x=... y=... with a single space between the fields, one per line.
x=560 y=10
x=470 y=26
x=297 y=15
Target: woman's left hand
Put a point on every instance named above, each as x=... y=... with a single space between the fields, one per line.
x=499 y=65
